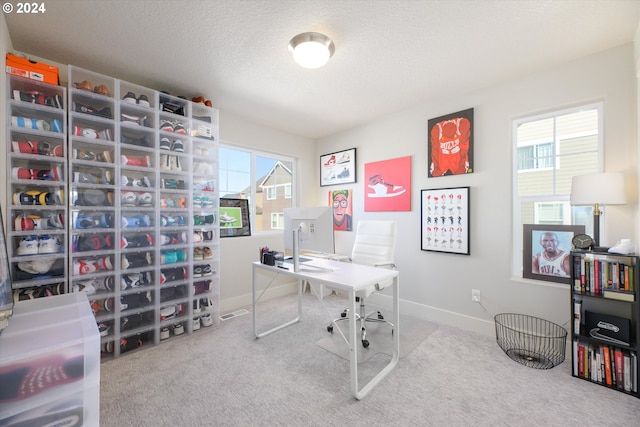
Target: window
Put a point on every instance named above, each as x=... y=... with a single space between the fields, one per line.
x=266 y=180
x=549 y=150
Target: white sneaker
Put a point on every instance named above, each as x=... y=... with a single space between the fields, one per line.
x=196 y=324
x=164 y=333
x=28 y=246
x=624 y=247
x=48 y=245
x=206 y=320
x=178 y=329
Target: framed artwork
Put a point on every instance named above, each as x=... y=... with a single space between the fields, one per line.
x=234 y=218
x=6 y=293
x=546 y=251
x=387 y=185
x=340 y=202
x=444 y=220
x=338 y=167
x=450 y=148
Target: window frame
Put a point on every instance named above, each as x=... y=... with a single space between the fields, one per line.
x=254 y=153
x=516 y=201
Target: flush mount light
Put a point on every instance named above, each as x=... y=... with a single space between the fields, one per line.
x=311 y=50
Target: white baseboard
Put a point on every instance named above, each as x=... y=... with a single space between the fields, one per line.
x=425 y=312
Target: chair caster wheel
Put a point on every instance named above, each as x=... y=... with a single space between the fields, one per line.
x=380 y=316
x=365 y=343
x=330 y=329
x=343 y=314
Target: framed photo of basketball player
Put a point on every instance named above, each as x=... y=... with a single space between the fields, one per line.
x=338 y=167
x=445 y=220
x=547 y=251
x=450 y=147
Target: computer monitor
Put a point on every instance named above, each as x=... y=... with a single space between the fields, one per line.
x=315 y=225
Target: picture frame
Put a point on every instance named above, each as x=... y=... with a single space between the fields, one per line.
x=234 y=217
x=338 y=168
x=539 y=261
x=450 y=144
x=444 y=220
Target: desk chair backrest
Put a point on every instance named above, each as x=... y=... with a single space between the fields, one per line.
x=375 y=243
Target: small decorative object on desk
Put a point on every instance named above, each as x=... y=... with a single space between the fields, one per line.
x=624 y=247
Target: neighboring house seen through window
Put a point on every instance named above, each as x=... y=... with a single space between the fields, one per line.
x=266 y=180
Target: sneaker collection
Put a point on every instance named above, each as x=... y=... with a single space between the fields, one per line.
x=39 y=198
x=136 y=241
x=95 y=242
x=175 y=145
x=131 y=198
x=170 y=162
x=35 y=245
x=91 y=156
x=89 y=220
x=87 y=86
x=135 y=221
x=36 y=222
x=53 y=174
x=105 y=177
x=92 y=197
x=131 y=98
x=37 y=124
x=129 y=181
x=35 y=97
x=41 y=148
x=138 y=161
x=92 y=133
x=172 y=257
x=169 y=202
x=136 y=260
x=87 y=109
x=92 y=265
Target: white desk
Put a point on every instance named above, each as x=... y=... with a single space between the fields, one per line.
x=347 y=277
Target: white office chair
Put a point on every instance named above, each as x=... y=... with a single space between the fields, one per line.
x=375 y=245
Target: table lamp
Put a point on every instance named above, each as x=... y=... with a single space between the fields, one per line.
x=596 y=190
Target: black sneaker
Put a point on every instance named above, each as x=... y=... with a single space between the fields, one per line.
x=144 y=101
x=130 y=97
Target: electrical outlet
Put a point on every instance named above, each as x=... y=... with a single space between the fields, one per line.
x=475 y=295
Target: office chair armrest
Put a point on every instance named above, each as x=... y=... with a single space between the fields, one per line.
x=342 y=258
x=385 y=264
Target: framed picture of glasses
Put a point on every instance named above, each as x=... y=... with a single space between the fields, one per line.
x=234 y=218
x=445 y=220
x=338 y=168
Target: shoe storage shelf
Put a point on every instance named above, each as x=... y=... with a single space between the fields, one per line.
x=36 y=143
x=605 y=306
x=143 y=203
x=50 y=364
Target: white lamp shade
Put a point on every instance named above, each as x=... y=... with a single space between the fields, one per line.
x=311 y=50
x=600 y=188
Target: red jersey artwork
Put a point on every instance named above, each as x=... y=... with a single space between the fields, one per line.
x=451 y=144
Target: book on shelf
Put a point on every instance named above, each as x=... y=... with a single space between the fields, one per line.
x=627 y=371
x=619 y=295
x=607 y=365
x=577 y=315
x=619 y=365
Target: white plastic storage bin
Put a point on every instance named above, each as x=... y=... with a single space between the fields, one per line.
x=50 y=363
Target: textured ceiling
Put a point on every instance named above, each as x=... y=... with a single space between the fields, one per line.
x=390 y=55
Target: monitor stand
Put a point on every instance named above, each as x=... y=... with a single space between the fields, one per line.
x=296 y=250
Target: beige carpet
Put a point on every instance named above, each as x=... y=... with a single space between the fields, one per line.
x=412 y=332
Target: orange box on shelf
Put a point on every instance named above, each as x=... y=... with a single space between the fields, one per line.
x=39 y=71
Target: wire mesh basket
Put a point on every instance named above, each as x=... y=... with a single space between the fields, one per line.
x=533 y=342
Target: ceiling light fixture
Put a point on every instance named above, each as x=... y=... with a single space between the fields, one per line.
x=311 y=50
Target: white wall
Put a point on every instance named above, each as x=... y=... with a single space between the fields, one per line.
x=237 y=253
x=437 y=285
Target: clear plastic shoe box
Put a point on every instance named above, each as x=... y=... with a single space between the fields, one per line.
x=50 y=363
